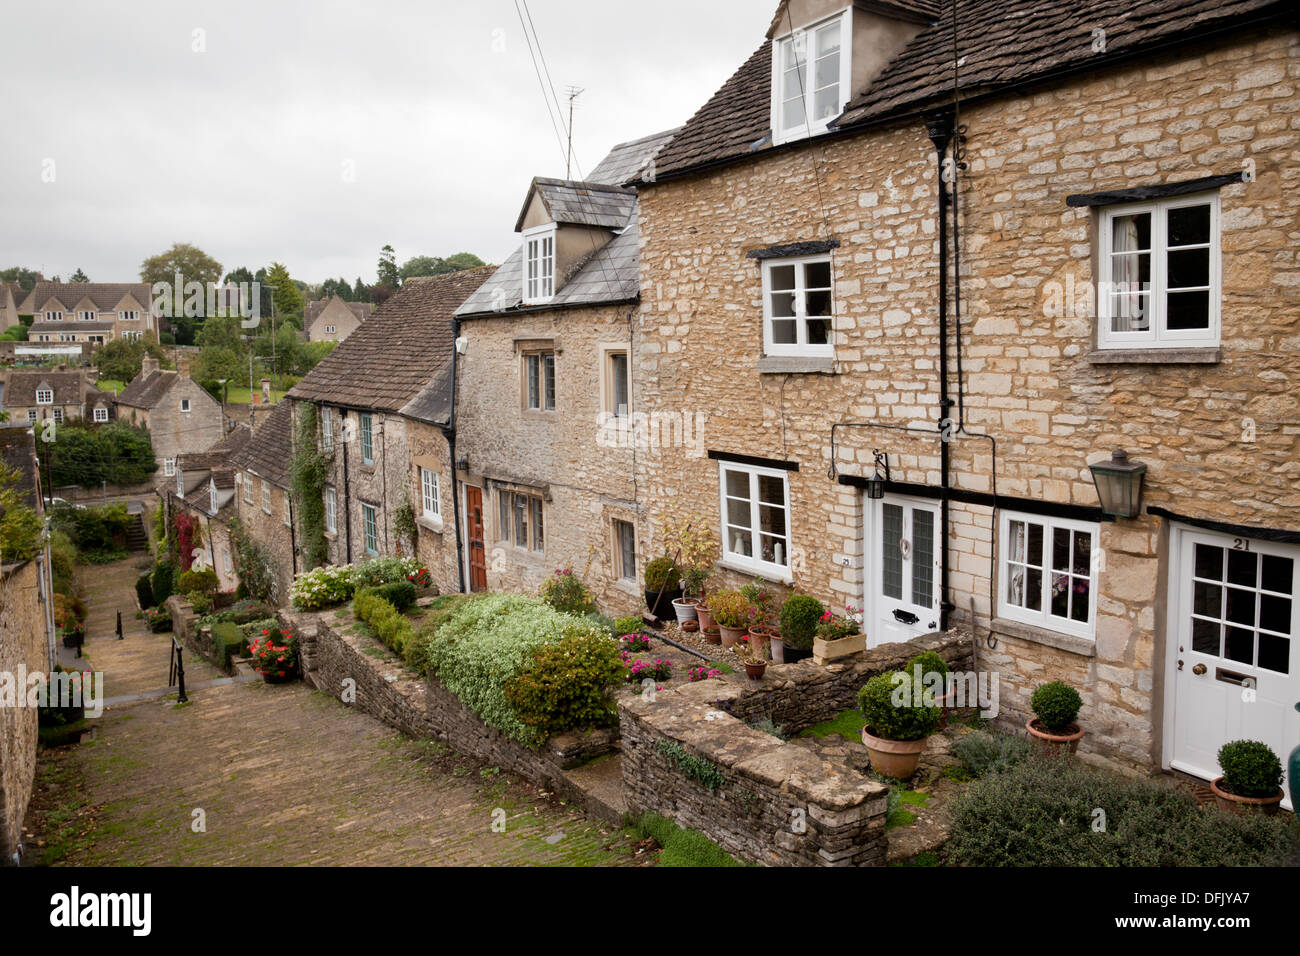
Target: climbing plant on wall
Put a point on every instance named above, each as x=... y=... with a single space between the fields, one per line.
x=252 y=564
x=308 y=471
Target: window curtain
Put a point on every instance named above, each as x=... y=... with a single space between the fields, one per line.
x=1016 y=572
x=1128 y=312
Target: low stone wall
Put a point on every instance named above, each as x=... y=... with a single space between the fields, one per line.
x=333 y=650
x=23 y=648
x=760 y=798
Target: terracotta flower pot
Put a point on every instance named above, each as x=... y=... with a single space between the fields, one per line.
x=1049 y=741
x=731 y=635
x=684 y=608
x=704 y=616
x=893 y=758
x=712 y=634
x=1235 y=804
x=755 y=671
x=690 y=627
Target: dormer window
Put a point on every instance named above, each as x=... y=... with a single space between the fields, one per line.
x=810 y=78
x=539 y=265
x=44 y=396
x=53 y=315
x=86 y=315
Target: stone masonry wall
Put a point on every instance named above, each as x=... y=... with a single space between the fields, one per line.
x=23 y=647
x=435 y=541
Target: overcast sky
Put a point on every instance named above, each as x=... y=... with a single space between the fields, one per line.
x=243 y=148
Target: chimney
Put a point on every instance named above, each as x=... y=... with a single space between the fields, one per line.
x=266 y=391
x=183 y=363
x=148 y=365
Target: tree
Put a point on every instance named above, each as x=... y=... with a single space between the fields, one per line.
x=87 y=455
x=285 y=292
x=20 y=526
x=361 y=291
x=280 y=351
x=336 y=287
x=311 y=355
x=219 y=364
x=26 y=278
x=193 y=265
x=388 y=274
x=423 y=266
x=120 y=359
x=464 y=260
x=79 y=276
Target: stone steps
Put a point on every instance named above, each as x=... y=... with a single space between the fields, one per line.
x=600 y=784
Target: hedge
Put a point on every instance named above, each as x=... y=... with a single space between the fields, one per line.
x=144 y=590
x=388 y=623
x=227 y=641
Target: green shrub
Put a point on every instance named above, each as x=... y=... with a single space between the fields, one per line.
x=929 y=662
x=601 y=621
x=1044 y=812
x=163 y=582
x=204 y=582
x=379 y=571
x=489 y=640
x=201 y=603
x=662 y=574
x=565 y=592
x=228 y=640
x=400 y=594
x=627 y=625
x=159 y=620
x=568 y=684
x=984 y=753
x=1250 y=769
x=906 y=719
x=389 y=624
x=733 y=609
x=799 y=618
x=1056 y=705
x=252 y=629
x=144 y=590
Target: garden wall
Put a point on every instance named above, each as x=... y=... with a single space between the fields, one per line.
x=22 y=624
x=334 y=648
x=762 y=799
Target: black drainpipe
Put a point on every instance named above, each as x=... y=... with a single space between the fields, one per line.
x=347 y=494
x=449 y=432
x=940 y=129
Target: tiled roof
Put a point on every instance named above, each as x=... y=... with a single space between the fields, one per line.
x=68 y=326
x=18 y=451
x=433 y=404
x=105 y=295
x=361 y=310
x=268 y=452
x=1000 y=43
x=146 y=391
x=389 y=359
x=581 y=204
x=627 y=162
x=22 y=385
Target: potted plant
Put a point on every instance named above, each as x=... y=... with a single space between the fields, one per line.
x=932 y=671
x=763 y=632
x=662 y=585
x=1055 y=705
x=898 y=722
x=275 y=655
x=838 y=636
x=74 y=633
x=712 y=634
x=684 y=608
x=800 y=615
x=754 y=663
x=1252 y=777
x=697 y=550
x=734 y=614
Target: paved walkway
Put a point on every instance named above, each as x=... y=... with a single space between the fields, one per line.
x=280 y=776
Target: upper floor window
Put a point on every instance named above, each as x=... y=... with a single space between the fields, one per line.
x=44 y=396
x=248 y=488
x=129 y=315
x=101 y=414
x=1159 y=274
x=54 y=315
x=288 y=511
x=58 y=415
x=1048 y=572
x=539 y=381
x=755 y=518
x=326 y=429
x=331 y=510
x=169 y=467
x=87 y=315
x=185 y=404
x=367 y=440
x=810 y=78
x=539 y=265
x=180 y=483
x=797 y=306
x=266 y=496
x=212 y=497
x=617 y=384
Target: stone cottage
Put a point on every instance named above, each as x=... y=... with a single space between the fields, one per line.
x=919 y=294
x=545 y=390
x=180 y=414
x=264 y=504
x=205 y=485
x=59 y=395
x=333 y=320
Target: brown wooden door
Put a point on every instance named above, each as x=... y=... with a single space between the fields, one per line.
x=474 y=532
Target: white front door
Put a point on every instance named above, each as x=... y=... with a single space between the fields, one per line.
x=902 y=569
x=1235 y=617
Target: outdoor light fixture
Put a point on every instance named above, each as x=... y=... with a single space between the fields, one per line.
x=1119 y=484
x=876 y=483
x=462 y=464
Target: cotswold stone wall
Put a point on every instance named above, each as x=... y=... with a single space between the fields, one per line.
x=1222 y=440
x=436 y=540
x=587 y=475
x=23 y=648
x=759 y=798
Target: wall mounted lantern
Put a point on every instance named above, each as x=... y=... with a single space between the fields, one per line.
x=1119 y=484
x=876 y=483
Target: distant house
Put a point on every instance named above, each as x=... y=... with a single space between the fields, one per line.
x=205 y=486
x=180 y=415
x=333 y=320
x=10 y=295
x=91 y=312
x=36 y=395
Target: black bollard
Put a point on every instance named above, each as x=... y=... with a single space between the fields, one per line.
x=180 y=675
x=119 y=624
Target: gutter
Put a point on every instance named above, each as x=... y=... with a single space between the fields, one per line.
x=449 y=433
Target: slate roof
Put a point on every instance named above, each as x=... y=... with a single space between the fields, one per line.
x=433 y=404
x=146 y=391
x=361 y=310
x=1000 y=43
x=610 y=274
x=581 y=203
x=72 y=325
x=221 y=454
x=268 y=452
x=390 y=358
x=105 y=295
x=21 y=387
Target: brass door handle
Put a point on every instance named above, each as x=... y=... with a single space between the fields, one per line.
x=1198 y=670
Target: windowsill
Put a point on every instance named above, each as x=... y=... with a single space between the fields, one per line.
x=1070 y=643
x=538 y=414
x=331 y=535
x=1188 y=356
x=628 y=587
x=367 y=469
x=795 y=365
x=429 y=524
x=767 y=574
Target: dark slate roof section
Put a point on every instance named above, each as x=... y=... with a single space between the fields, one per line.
x=105 y=295
x=1113 y=197
x=222 y=453
x=146 y=391
x=581 y=204
x=433 y=405
x=628 y=163
x=793 y=249
x=389 y=359
x=23 y=385
x=18 y=452
x=71 y=325
x=1001 y=43
x=361 y=310
x=267 y=454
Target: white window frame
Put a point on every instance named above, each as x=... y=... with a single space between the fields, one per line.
x=370 y=528
x=212 y=496
x=48 y=398
x=801 y=346
x=539 y=287
x=621 y=571
x=1158 y=336
x=367 y=429
x=53 y=315
x=169 y=467
x=129 y=315
x=326 y=429
x=132 y=335
x=430 y=494
x=32 y=415
x=608 y=380
x=248 y=488
x=87 y=315
x=546 y=398
x=756 y=564
x=101 y=414
x=288 y=511
x=1044 y=618
x=266 y=497
x=58 y=415
x=331 y=510
x=185 y=405
x=807 y=35
x=330 y=329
